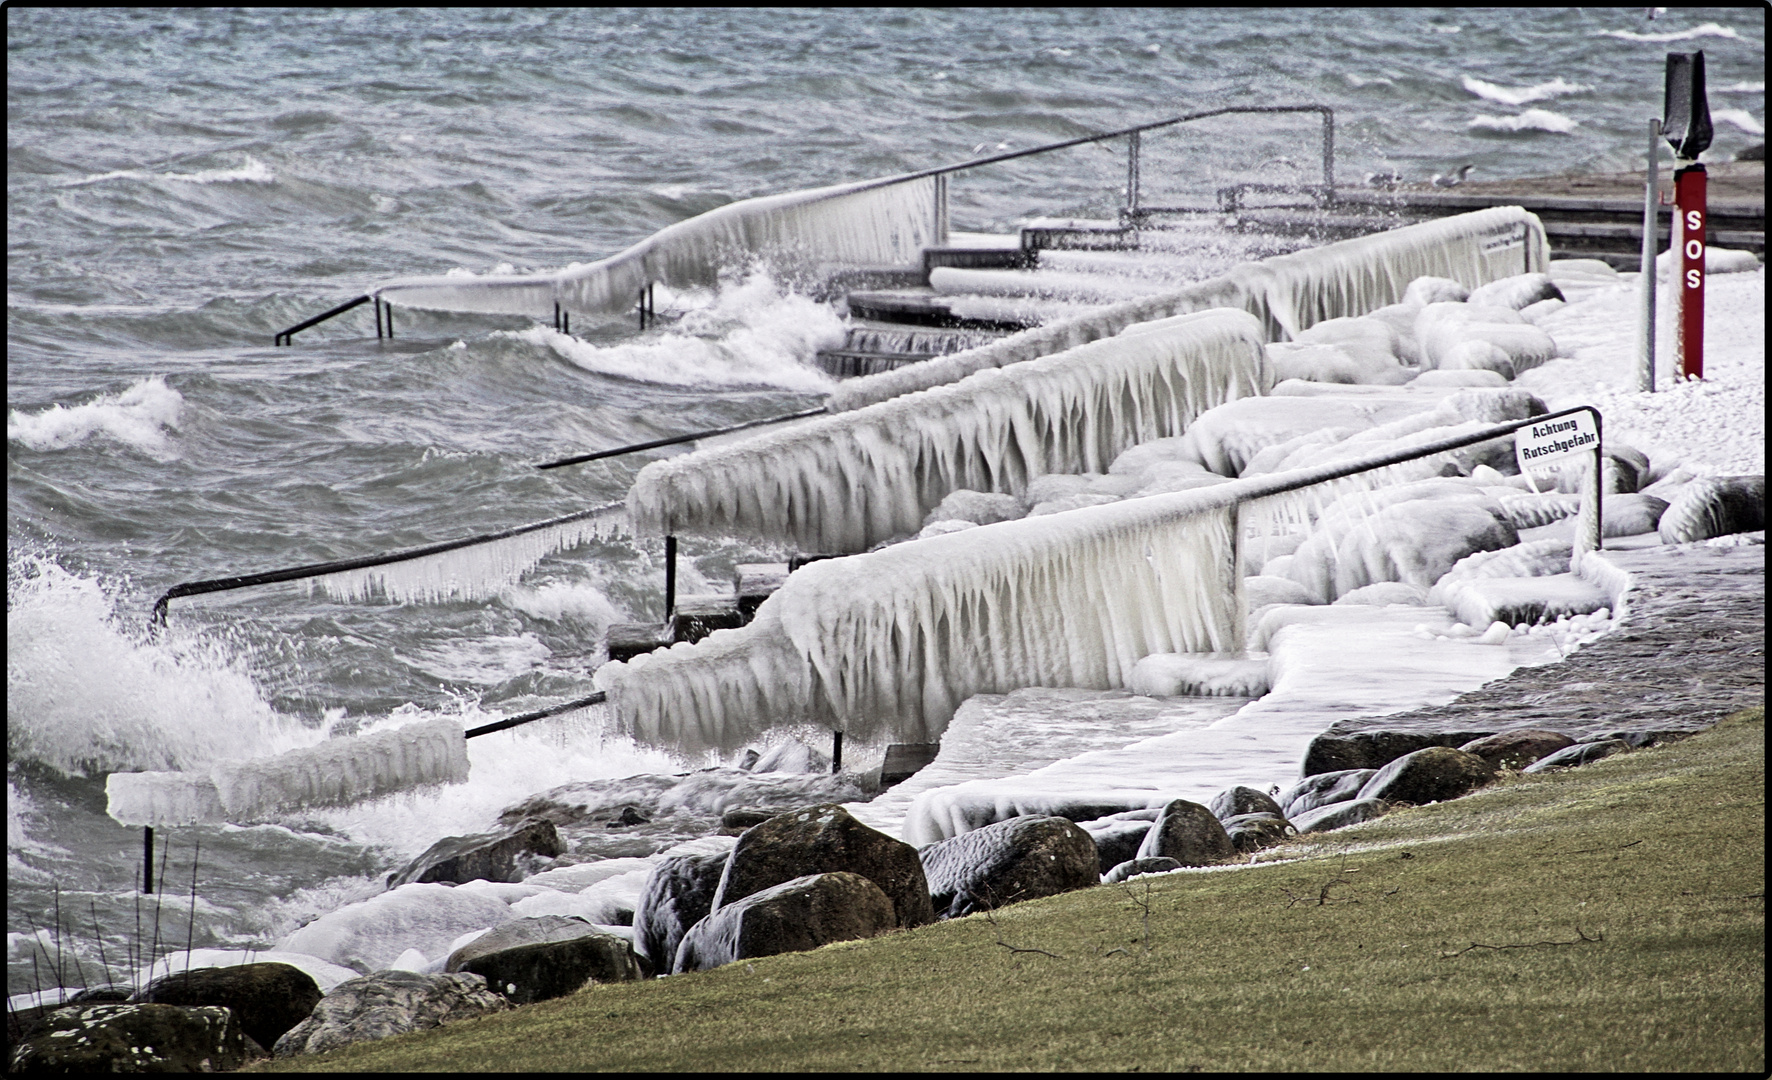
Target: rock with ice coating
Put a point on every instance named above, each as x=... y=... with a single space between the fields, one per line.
x=492 y=855
x=978 y=507
x=1413 y=533
x=1200 y=674
x=1252 y=832
x=794 y=916
x=1335 y=362
x=583 y=875
x=678 y=894
x=1517 y=292
x=792 y=756
x=1118 y=836
x=1340 y=815
x=1478 y=355
x=1322 y=789
x=1239 y=800
x=1433 y=290
x=1264 y=589
x=1131 y=868
x=1517 y=748
x=368 y=935
x=1715 y=506
x=388 y=1003
x=1579 y=754
x=1630 y=515
x=1437 y=377
x=1226 y=438
x=1386 y=592
x=609 y=902
x=1023 y=858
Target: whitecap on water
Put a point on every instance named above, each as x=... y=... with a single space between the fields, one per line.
x=1530 y=120
x=1509 y=95
x=138 y=417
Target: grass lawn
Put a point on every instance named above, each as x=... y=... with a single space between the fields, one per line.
x=1610 y=917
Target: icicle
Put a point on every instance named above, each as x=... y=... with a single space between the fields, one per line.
x=471 y=572
x=850 y=481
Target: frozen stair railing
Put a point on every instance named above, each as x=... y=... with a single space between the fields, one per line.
x=888 y=221
x=889 y=643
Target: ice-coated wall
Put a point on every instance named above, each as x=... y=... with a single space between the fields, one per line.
x=870 y=223
x=846 y=482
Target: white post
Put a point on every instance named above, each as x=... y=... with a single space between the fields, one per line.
x=1648 y=285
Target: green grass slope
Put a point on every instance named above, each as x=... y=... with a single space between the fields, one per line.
x=1610 y=917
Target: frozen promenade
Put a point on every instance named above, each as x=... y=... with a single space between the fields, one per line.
x=1691 y=649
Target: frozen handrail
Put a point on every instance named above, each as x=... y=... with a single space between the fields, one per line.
x=296 y=573
x=894 y=226
x=634 y=448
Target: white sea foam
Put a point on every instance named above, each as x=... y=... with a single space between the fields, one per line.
x=83 y=695
x=137 y=417
x=1741 y=87
x=1710 y=29
x=752 y=334
x=565 y=601
x=253 y=171
x=1741 y=118
x=1530 y=120
x=1508 y=95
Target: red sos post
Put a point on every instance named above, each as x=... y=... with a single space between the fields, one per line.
x=1687 y=129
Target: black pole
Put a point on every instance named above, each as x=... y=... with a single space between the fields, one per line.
x=836 y=751
x=148 y=859
x=673 y=440
x=378 y=333
x=539 y=714
x=670 y=576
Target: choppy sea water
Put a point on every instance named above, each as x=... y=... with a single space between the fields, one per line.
x=182 y=184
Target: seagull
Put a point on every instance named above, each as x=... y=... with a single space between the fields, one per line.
x=1441 y=180
x=1384 y=181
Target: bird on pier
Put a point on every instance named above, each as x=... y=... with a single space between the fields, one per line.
x=1384 y=181
x=1443 y=181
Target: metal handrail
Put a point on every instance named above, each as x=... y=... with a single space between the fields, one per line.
x=157 y=617
x=941 y=172
x=675 y=439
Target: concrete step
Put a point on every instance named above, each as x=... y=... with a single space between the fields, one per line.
x=870 y=336
x=922 y=308
x=753 y=582
x=905 y=760
x=628 y=640
x=850 y=363
x=978 y=258
x=698 y=616
x=1078 y=235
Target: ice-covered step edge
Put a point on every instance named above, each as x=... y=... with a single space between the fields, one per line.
x=852 y=363
x=1077 y=234
x=872 y=336
x=1103 y=288
x=924 y=308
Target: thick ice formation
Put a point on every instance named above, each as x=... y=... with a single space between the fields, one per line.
x=847 y=482
x=337 y=772
x=369 y=935
x=1288 y=293
x=884 y=222
x=474 y=571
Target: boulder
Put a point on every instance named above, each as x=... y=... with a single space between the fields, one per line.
x=268 y=999
x=1578 y=754
x=1518 y=292
x=1517 y=748
x=737 y=820
x=388 y=1003
x=1630 y=515
x=1714 y=506
x=1117 y=838
x=978 y=507
x=1133 y=867
x=1019 y=859
x=1323 y=789
x=1237 y=801
x=492 y=855
x=822 y=840
x=1434 y=290
x=1431 y=774
x=549 y=956
x=1252 y=832
x=793 y=916
x=678 y=894
x=369 y=935
x=1188 y=833
x=134 y=1037
x=1340 y=815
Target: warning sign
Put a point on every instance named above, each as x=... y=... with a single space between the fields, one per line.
x=1540 y=447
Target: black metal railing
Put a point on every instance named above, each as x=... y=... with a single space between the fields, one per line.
x=1132 y=211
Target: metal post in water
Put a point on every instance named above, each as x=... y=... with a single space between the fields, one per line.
x=670 y=576
x=1132 y=148
x=836 y=751
x=148 y=859
x=1647 y=284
